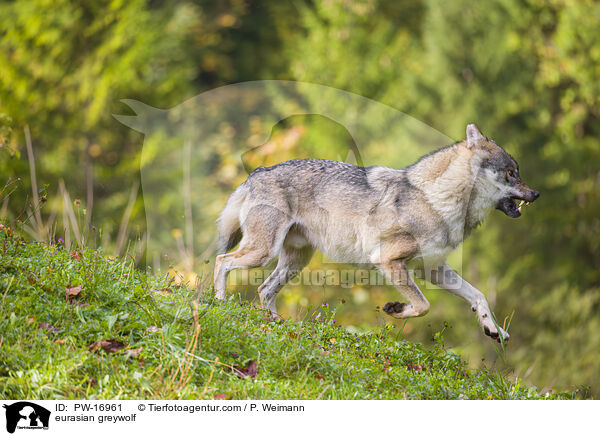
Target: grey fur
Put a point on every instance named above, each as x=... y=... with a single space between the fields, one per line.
x=393 y=219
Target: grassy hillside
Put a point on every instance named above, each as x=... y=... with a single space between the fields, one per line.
x=80 y=325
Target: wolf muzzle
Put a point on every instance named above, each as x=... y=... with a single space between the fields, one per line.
x=509 y=206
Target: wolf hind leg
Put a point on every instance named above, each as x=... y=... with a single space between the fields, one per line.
x=292 y=260
x=245 y=257
x=263 y=233
x=397 y=272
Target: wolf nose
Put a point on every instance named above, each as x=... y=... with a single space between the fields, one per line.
x=535 y=194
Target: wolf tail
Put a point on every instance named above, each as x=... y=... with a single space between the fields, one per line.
x=228 y=222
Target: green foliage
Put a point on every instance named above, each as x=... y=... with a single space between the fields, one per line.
x=5 y=130
x=525 y=71
x=178 y=343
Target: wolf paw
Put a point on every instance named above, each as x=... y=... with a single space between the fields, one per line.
x=394 y=307
x=496 y=333
x=273 y=317
x=276 y=318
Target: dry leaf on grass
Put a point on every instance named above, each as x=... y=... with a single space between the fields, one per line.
x=32 y=278
x=415 y=368
x=72 y=292
x=133 y=352
x=250 y=371
x=110 y=345
x=221 y=397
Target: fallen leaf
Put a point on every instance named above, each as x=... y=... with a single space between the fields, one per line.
x=221 y=397
x=32 y=278
x=60 y=341
x=72 y=291
x=250 y=371
x=110 y=345
x=293 y=335
x=76 y=255
x=133 y=352
x=332 y=340
x=415 y=368
x=29 y=320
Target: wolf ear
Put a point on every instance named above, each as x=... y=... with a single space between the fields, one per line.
x=474 y=136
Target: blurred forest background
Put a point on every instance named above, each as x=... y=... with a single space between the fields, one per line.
x=526 y=71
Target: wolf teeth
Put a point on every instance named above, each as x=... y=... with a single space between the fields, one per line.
x=521 y=204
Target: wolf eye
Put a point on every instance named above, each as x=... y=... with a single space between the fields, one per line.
x=511 y=173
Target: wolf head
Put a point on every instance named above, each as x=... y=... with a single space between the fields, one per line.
x=498 y=179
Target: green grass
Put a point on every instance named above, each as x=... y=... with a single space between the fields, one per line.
x=194 y=347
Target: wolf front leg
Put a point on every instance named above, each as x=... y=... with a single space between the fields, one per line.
x=397 y=272
x=446 y=278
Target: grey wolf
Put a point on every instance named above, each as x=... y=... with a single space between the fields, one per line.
x=395 y=220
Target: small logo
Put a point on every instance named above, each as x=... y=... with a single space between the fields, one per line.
x=26 y=415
